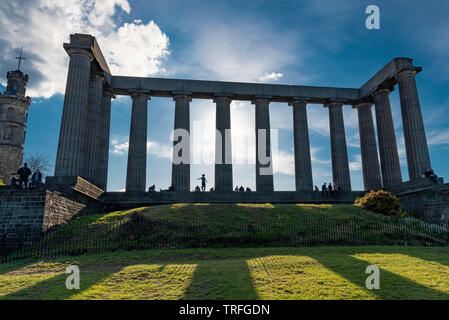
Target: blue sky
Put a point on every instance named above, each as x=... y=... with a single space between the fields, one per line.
x=321 y=43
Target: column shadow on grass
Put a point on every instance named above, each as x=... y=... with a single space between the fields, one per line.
x=231 y=281
x=54 y=288
x=392 y=286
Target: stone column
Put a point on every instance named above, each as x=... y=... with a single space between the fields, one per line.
x=368 y=147
x=92 y=138
x=72 y=135
x=181 y=171
x=414 y=135
x=137 y=152
x=264 y=165
x=223 y=145
x=388 y=149
x=105 y=125
x=340 y=163
x=303 y=164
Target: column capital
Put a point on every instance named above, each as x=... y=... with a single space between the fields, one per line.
x=108 y=90
x=80 y=52
x=223 y=97
x=140 y=93
x=382 y=90
x=362 y=105
x=97 y=76
x=334 y=103
x=406 y=73
x=299 y=100
x=182 y=95
x=261 y=99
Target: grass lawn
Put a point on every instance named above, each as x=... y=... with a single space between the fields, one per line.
x=250 y=273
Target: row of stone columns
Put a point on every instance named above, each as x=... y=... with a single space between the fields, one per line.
x=84 y=135
x=83 y=148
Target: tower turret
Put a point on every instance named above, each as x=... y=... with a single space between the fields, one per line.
x=13 y=123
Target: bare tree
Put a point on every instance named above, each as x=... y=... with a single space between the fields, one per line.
x=39 y=161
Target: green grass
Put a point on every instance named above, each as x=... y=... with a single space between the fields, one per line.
x=251 y=273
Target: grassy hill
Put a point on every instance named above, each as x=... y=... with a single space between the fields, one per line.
x=181 y=226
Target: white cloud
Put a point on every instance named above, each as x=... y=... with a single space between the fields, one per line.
x=43 y=26
x=356 y=165
x=273 y=76
x=438 y=137
x=119 y=146
x=241 y=52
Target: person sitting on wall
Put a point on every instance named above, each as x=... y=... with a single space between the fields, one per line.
x=15 y=183
x=236 y=189
x=36 y=179
x=323 y=190
x=171 y=188
x=248 y=189
x=431 y=174
x=212 y=189
x=316 y=189
x=24 y=173
x=197 y=189
x=241 y=189
x=152 y=188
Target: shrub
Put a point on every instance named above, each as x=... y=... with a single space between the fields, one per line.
x=2 y=183
x=381 y=202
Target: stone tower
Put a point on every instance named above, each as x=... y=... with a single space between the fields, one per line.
x=13 y=123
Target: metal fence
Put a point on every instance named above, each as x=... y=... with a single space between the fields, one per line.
x=138 y=232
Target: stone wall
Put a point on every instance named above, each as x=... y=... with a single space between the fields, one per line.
x=24 y=213
x=429 y=205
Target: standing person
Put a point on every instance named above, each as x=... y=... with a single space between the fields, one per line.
x=203 y=182
x=329 y=187
x=323 y=189
x=336 y=187
x=24 y=173
x=36 y=179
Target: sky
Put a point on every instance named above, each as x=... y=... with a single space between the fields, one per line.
x=318 y=43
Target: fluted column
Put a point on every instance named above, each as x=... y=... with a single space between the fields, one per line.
x=70 y=155
x=104 y=133
x=340 y=163
x=388 y=149
x=137 y=152
x=264 y=161
x=303 y=164
x=368 y=147
x=223 y=145
x=181 y=169
x=418 y=158
x=93 y=126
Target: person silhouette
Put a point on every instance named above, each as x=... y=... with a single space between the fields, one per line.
x=203 y=182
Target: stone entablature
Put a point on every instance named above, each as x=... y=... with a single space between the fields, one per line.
x=86 y=60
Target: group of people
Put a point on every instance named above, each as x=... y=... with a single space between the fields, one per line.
x=328 y=189
x=241 y=189
x=23 y=182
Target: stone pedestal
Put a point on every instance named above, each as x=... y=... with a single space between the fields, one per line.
x=104 y=133
x=181 y=171
x=303 y=165
x=414 y=135
x=389 y=158
x=137 y=153
x=340 y=163
x=223 y=145
x=72 y=136
x=264 y=165
x=368 y=147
